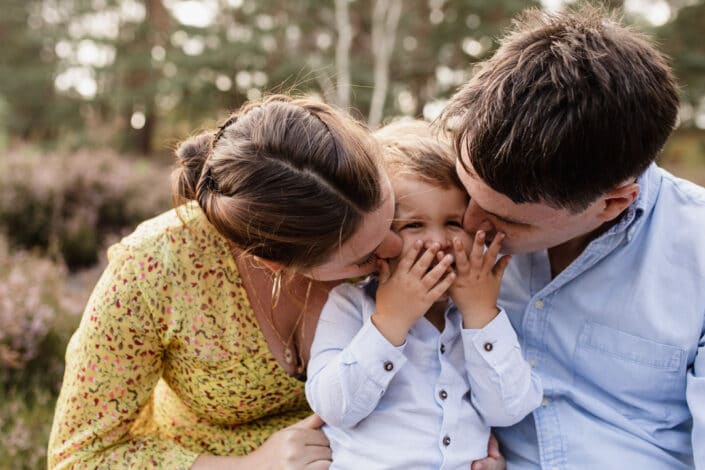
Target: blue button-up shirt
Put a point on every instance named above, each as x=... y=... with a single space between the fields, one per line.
x=426 y=404
x=618 y=340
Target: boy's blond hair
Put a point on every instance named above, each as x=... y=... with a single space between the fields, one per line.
x=412 y=147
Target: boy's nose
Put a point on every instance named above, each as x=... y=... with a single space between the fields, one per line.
x=390 y=246
x=437 y=236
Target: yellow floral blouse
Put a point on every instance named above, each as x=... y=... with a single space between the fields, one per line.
x=168 y=361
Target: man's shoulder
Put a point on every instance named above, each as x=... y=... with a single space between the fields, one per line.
x=678 y=191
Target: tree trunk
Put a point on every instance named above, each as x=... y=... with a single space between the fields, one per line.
x=342 y=52
x=385 y=20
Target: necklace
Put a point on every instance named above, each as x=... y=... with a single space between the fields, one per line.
x=289 y=344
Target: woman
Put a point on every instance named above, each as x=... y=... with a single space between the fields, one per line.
x=190 y=353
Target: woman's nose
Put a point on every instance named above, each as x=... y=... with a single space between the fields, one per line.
x=390 y=246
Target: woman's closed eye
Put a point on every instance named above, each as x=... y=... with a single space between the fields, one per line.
x=372 y=258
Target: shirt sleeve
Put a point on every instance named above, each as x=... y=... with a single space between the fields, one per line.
x=113 y=363
x=695 y=396
x=504 y=389
x=351 y=362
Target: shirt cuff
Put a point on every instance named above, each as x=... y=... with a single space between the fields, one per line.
x=379 y=359
x=491 y=344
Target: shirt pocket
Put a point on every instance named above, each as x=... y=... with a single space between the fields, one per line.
x=632 y=373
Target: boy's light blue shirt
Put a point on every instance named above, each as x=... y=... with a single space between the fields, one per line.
x=426 y=404
x=618 y=340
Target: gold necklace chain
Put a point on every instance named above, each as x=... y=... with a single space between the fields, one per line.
x=288 y=352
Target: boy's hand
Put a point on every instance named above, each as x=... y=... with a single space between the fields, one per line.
x=476 y=286
x=405 y=295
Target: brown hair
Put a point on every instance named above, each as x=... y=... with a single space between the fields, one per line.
x=288 y=180
x=571 y=105
x=411 y=147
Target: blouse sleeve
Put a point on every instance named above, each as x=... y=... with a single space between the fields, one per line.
x=113 y=363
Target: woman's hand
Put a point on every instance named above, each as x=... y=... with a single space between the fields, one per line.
x=405 y=295
x=493 y=461
x=300 y=446
x=479 y=276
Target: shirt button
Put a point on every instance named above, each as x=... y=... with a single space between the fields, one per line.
x=488 y=347
x=443 y=348
x=388 y=365
x=532 y=362
x=539 y=304
x=545 y=402
x=443 y=394
x=446 y=441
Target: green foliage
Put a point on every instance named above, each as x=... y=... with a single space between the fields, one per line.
x=68 y=204
x=25 y=424
x=37 y=317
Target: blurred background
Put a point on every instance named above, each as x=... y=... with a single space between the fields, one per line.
x=94 y=94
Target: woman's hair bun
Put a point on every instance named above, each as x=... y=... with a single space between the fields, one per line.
x=191 y=156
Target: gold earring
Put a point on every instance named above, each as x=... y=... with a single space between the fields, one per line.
x=276 y=288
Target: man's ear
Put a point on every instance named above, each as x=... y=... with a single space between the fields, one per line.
x=617 y=200
x=271 y=265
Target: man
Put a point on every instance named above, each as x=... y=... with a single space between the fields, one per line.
x=556 y=136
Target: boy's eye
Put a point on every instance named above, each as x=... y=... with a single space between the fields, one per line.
x=411 y=225
x=455 y=223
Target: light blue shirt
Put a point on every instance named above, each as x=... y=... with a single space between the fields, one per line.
x=618 y=340
x=426 y=404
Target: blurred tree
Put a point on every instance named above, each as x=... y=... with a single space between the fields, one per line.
x=137 y=73
x=682 y=40
x=32 y=107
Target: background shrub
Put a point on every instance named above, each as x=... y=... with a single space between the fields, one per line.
x=67 y=204
x=37 y=316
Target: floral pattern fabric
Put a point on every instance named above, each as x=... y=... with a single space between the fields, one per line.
x=168 y=361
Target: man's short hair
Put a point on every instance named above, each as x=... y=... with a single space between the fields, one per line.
x=571 y=105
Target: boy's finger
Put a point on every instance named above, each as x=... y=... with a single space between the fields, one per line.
x=384 y=271
x=422 y=264
x=408 y=258
x=461 y=258
x=478 y=250
x=493 y=250
x=442 y=286
x=431 y=277
x=501 y=266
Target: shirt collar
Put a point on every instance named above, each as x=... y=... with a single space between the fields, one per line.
x=632 y=219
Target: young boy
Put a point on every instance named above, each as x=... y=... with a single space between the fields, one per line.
x=403 y=377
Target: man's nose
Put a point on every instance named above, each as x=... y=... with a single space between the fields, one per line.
x=390 y=246
x=475 y=219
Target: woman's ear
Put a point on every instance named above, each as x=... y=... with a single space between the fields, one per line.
x=617 y=200
x=271 y=265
